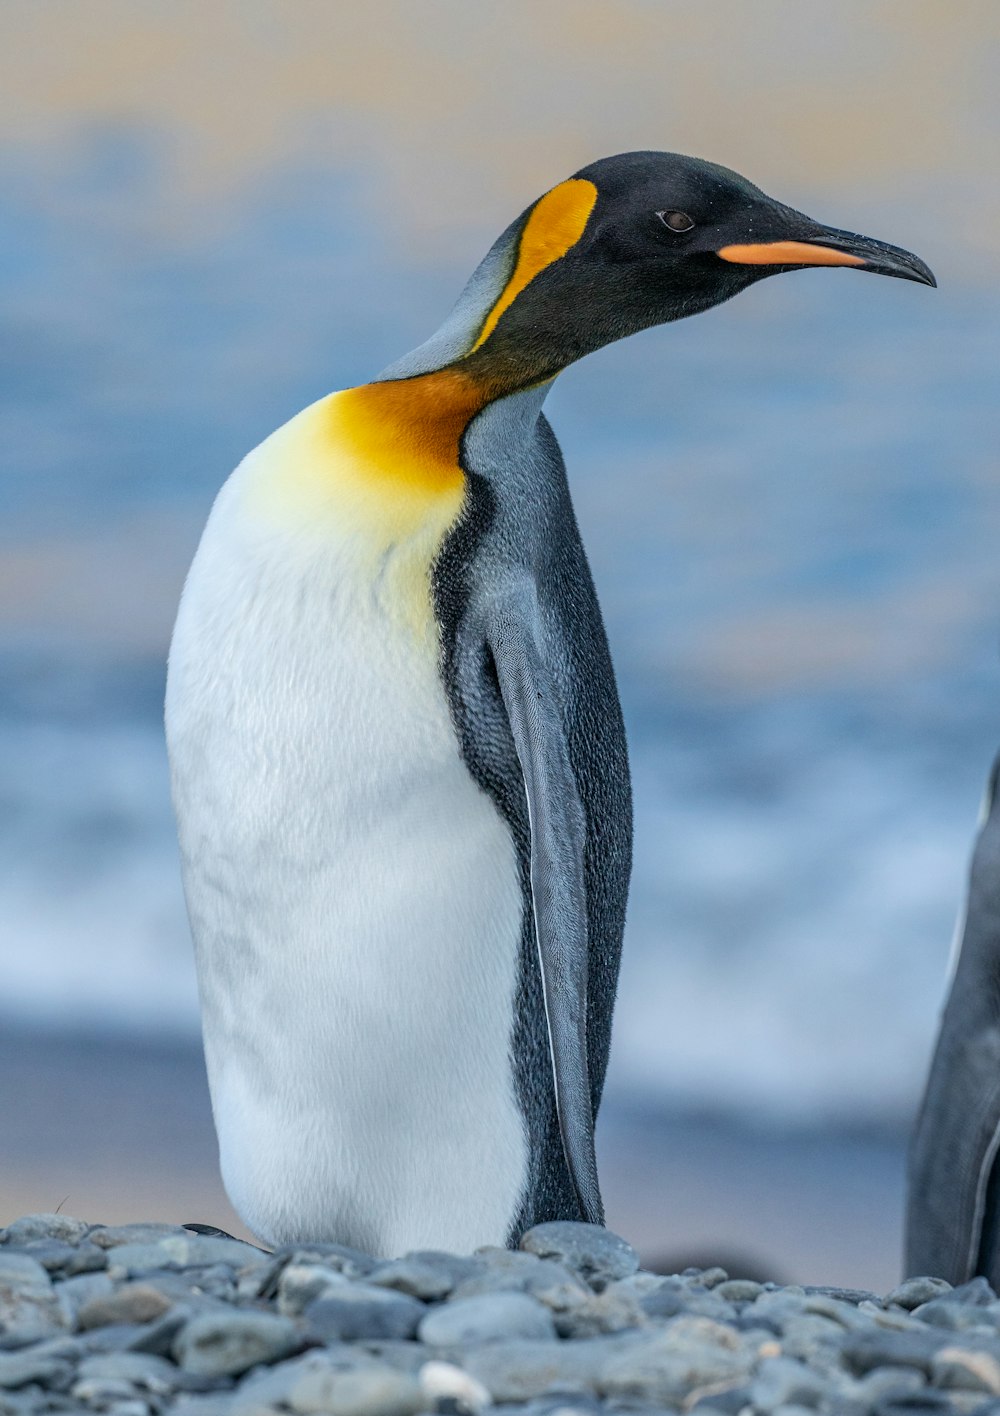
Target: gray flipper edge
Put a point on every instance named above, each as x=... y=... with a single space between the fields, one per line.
x=558 y=838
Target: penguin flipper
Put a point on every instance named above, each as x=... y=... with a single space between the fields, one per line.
x=953 y=1201
x=558 y=888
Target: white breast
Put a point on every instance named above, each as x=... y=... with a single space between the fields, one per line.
x=354 y=895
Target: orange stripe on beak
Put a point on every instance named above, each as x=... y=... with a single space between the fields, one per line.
x=788 y=253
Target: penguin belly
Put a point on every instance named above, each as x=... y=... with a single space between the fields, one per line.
x=354 y=897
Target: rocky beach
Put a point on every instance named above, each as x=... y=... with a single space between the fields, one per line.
x=142 y=1319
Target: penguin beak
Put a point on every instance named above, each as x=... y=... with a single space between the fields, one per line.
x=825 y=246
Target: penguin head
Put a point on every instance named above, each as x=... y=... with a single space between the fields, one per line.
x=642 y=239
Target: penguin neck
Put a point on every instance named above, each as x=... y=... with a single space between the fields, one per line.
x=414 y=425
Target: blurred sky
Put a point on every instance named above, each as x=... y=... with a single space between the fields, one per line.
x=212 y=214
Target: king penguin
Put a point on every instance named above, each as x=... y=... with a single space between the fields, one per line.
x=953 y=1193
x=398 y=761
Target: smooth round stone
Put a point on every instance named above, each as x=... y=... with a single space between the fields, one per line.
x=352 y=1263
x=513 y=1270
x=183 y=1250
x=864 y=1350
x=112 y=1236
x=301 y=1284
x=666 y=1366
x=73 y=1293
x=102 y=1394
x=31 y=1365
x=966 y=1370
x=52 y=1254
x=131 y=1303
x=977 y=1291
x=956 y=1317
x=269 y=1387
x=359 y=1310
x=917 y=1291
x=428 y=1276
x=669 y=1301
x=521 y=1370
x=882 y=1381
x=853 y=1296
x=824 y=1305
x=226 y=1344
x=492 y=1317
x=605 y=1312
x=595 y=1253
x=45 y=1226
x=781 y=1381
x=738 y=1290
x=706 y=1278
x=139 y=1370
x=919 y=1403
x=363 y=1391
x=23 y=1274
x=443 y=1383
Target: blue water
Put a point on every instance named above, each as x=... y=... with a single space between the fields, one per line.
x=791 y=506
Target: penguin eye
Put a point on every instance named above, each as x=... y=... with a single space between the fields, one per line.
x=676 y=220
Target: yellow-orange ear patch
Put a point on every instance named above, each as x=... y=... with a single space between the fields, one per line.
x=556 y=223
x=788 y=253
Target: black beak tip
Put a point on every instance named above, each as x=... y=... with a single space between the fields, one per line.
x=919 y=271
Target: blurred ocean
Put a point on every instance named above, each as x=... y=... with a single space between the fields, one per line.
x=791 y=504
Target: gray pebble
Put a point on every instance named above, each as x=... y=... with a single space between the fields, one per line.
x=102 y=1393
x=675 y=1297
x=362 y=1391
x=845 y=1315
x=52 y=1254
x=706 y=1278
x=73 y=1293
x=781 y=1381
x=34 y=1364
x=270 y=1387
x=916 y=1291
x=739 y=1290
x=864 y=1350
x=226 y=1344
x=209 y=1406
x=158 y=1337
x=182 y=1250
x=492 y=1317
x=21 y=1272
x=301 y=1284
x=972 y=1371
x=881 y=1381
x=512 y=1270
x=607 y=1312
x=350 y=1262
x=360 y=1310
x=112 y=1236
x=522 y=1370
x=814 y=1338
x=131 y=1303
x=86 y=1258
x=854 y=1296
x=919 y=1403
x=955 y=1317
x=671 y=1364
x=150 y=1373
x=977 y=1292
x=595 y=1253
x=45 y=1226
x=428 y=1275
